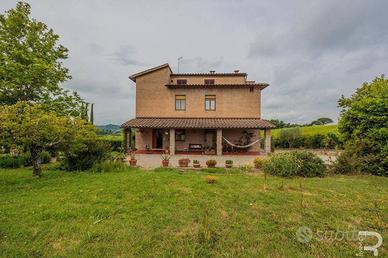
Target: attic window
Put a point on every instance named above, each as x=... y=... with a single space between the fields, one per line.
x=181 y=81
x=209 y=81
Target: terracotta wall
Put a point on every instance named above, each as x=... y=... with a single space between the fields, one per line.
x=154 y=99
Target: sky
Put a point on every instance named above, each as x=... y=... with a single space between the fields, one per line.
x=310 y=52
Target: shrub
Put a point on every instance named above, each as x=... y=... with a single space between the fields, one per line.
x=84 y=158
x=11 y=161
x=295 y=163
x=45 y=158
x=211 y=163
x=258 y=162
x=115 y=144
x=344 y=164
x=310 y=164
x=246 y=168
x=211 y=179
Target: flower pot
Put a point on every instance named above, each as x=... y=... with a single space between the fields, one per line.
x=183 y=163
x=165 y=163
x=133 y=162
x=228 y=165
x=211 y=166
x=197 y=165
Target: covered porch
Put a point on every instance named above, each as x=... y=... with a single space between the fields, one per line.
x=199 y=136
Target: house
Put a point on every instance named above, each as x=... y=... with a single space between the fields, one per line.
x=207 y=113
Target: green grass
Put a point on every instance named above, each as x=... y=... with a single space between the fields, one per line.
x=310 y=130
x=174 y=213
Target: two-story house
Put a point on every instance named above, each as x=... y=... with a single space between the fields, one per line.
x=208 y=113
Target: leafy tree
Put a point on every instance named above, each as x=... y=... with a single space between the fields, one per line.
x=31 y=67
x=32 y=128
x=322 y=121
x=364 y=126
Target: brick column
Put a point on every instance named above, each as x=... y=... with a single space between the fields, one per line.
x=219 y=142
x=172 y=141
x=267 y=141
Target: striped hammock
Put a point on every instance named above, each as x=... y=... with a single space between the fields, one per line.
x=240 y=146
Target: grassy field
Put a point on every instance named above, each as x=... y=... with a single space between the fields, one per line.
x=311 y=130
x=174 y=213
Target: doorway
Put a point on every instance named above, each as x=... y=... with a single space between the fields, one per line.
x=157 y=139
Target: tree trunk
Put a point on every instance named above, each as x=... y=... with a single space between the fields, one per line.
x=35 y=157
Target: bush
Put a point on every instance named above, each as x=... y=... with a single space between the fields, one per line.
x=11 y=161
x=344 y=164
x=258 y=162
x=211 y=179
x=211 y=163
x=295 y=163
x=116 y=145
x=84 y=158
x=45 y=158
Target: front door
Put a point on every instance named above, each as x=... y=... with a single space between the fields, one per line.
x=157 y=139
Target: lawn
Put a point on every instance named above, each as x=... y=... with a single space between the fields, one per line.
x=176 y=213
x=310 y=130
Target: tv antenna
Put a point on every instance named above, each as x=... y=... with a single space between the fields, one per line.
x=179 y=61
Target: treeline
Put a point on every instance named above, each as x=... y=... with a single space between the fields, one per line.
x=282 y=124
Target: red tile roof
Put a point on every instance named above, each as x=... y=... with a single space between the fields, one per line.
x=134 y=76
x=246 y=85
x=199 y=123
x=207 y=74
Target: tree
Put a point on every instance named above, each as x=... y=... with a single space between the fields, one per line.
x=364 y=126
x=322 y=121
x=34 y=129
x=31 y=67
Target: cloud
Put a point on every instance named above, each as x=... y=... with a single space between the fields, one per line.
x=311 y=52
x=124 y=55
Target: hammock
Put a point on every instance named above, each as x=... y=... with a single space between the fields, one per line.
x=240 y=146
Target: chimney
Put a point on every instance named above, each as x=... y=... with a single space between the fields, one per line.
x=236 y=71
x=212 y=71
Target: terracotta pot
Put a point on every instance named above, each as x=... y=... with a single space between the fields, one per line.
x=133 y=162
x=197 y=165
x=183 y=164
x=211 y=166
x=165 y=163
x=228 y=165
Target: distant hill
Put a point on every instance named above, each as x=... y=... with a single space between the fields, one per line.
x=109 y=129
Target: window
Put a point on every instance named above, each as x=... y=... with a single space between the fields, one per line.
x=210 y=102
x=181 y=81
x=180 y=102
x=209 y=81
x=180 y=135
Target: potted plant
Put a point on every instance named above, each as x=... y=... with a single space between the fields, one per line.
x=184 y=162
x=229 y=163
x=211 y=163
x=165 y=158
x=196 y=164
x=132 y=160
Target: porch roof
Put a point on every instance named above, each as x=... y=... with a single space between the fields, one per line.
x=198 y=123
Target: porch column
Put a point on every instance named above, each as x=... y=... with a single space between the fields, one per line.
x=219 y=142
x=172 y=141
x=267 y=141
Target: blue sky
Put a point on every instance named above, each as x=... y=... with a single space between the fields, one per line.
x=310 y=52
